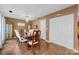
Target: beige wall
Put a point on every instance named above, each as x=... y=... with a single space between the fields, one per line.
x=15 y=21
x=14 y=24
x=34 y=23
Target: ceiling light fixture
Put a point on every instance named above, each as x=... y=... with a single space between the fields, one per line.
x=27 y=18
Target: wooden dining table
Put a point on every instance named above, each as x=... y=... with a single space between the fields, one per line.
x=29 y=36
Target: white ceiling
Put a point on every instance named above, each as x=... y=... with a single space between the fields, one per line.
x=20 y=11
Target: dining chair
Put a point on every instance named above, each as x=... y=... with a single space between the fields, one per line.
x=20 y=39
x=35 y=39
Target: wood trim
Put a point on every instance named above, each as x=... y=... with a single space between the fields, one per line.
x=13 y=18
x=47 y=29
x=75 y=29
x=65 y=11
x=14 y=22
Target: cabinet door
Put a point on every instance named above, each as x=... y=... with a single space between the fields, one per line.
x=6 y=31
x=10 y=31
x=3 y=29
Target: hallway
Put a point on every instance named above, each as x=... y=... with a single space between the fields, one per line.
x=11 y=48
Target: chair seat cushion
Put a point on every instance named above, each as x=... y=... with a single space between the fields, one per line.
x=23 y=40
x=30 y=43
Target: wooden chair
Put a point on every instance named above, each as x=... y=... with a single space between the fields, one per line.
x=35 y=39
x=20 y=39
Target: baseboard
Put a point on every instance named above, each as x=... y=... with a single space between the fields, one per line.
x=77 y=51
x=47 y=41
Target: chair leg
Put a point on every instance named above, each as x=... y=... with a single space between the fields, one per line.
x=19 y=44
x=32 y=47
x=39 y=45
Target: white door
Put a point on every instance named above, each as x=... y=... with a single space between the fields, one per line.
x=61 y=31
x=42 y=27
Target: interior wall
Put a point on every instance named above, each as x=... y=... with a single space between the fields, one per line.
x=15 y=21
x=61 y=31
x=0 y=32
x=78 y=10
x=78 y=24
x=34 y=23
x=15 y=25
x=42 y=27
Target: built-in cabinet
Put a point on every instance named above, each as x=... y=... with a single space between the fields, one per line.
x=2 y=30
x=8 y=31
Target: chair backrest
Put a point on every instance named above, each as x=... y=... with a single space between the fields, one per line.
x=18 y=35
x=36 y=35
x=31 y=32
x=21 y=32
